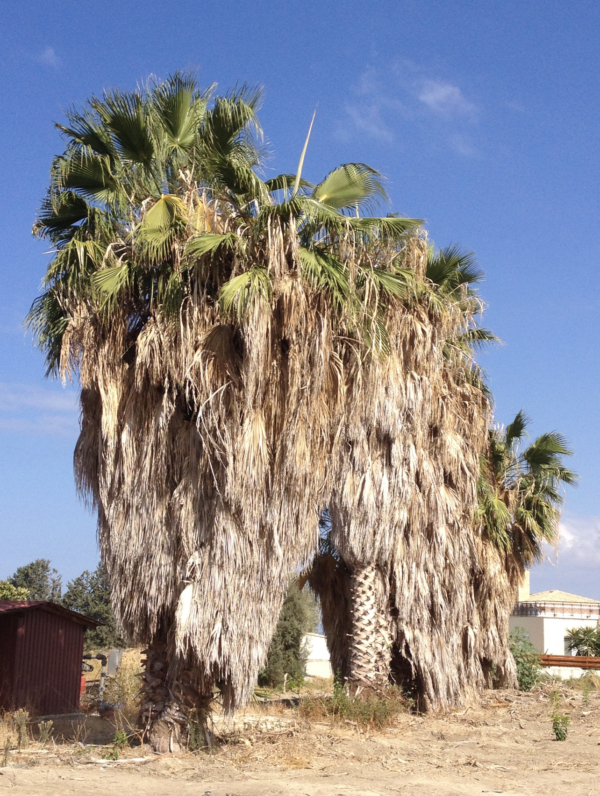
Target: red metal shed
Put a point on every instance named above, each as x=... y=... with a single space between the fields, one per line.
x=41 y=645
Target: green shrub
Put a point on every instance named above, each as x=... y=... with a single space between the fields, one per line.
x=527 y=659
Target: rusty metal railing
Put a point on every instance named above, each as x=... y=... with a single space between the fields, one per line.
x=579 y=661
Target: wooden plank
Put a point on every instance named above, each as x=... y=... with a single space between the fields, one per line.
x=571 y=661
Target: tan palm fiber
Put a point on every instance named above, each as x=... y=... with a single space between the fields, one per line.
x=206 y=446
x=404 y=498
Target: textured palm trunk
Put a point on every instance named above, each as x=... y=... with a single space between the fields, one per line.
x=171 y=706
x=370 y=642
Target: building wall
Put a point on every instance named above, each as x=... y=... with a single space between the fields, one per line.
x=555 y=630
x=566 y=672
x=317 y=664
x=533 y=626
x=547 y=633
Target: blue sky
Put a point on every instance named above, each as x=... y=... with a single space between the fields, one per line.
x=484 y=116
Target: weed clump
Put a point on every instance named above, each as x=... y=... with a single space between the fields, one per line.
x=529 y=670
x=366 y=708
x=560 y=721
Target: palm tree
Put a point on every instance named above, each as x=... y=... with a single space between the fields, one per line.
x=402 y=550
x=519 y=490
x=519 y=510
x=221 y=327
x=584 y=641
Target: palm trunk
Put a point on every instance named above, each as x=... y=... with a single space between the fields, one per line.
x=370 y=643
x=174 y=709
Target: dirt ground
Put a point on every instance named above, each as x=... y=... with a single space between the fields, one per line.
x=502 y=744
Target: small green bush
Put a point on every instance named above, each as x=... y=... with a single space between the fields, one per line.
x=560 y=724
x=120 y=741
x=527 y=659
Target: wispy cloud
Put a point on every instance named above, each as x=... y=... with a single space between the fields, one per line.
x=580 y=543
x=26 y=409
x=575 y=567
x=48 y=57
x=385 y=104
x=445 y=99
x=368 y=119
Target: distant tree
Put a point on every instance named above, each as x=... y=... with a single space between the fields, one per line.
x=10 y=592
x=287 y=653
x=39 y=580
x=89 y=594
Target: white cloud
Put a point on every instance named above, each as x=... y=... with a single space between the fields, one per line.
x=26 y=409
x=49 y=58
x=575 y=568
x=579 y=544
x=444 y=99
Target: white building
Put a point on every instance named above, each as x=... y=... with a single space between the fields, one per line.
x=317 y=664
x=548 y=615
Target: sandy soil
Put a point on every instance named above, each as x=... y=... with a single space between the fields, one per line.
x=502 y=744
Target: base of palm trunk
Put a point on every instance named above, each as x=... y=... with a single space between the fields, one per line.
x=370 y=646
x=174 y=711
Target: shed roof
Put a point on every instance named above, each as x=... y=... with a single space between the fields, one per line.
x=556 y=596
x=14 y=606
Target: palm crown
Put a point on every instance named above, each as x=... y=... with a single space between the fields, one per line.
x=157 y=192
x=519 y=490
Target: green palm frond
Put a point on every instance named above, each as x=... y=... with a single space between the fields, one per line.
x=285 y=181
x=161 y=225
x=212 y=242
x=60 y=212
x=516 y=430
x=247 y=290
x=48 y=321
x=125 y=115
x=528 y=485
x=393 y=228
x=450 y=269
x=323 y=271
x=87 y=131
x=180 y=107
x=477 y=337
x=352 y=185
x=110 y=281
x=231 y=117
x=89 y=175
x=399 y=283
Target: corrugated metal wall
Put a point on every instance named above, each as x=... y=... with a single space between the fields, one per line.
x=8 y=646
x=47 y=662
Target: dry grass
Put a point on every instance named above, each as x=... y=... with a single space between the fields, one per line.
x=121 y=689
x=367 y=709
